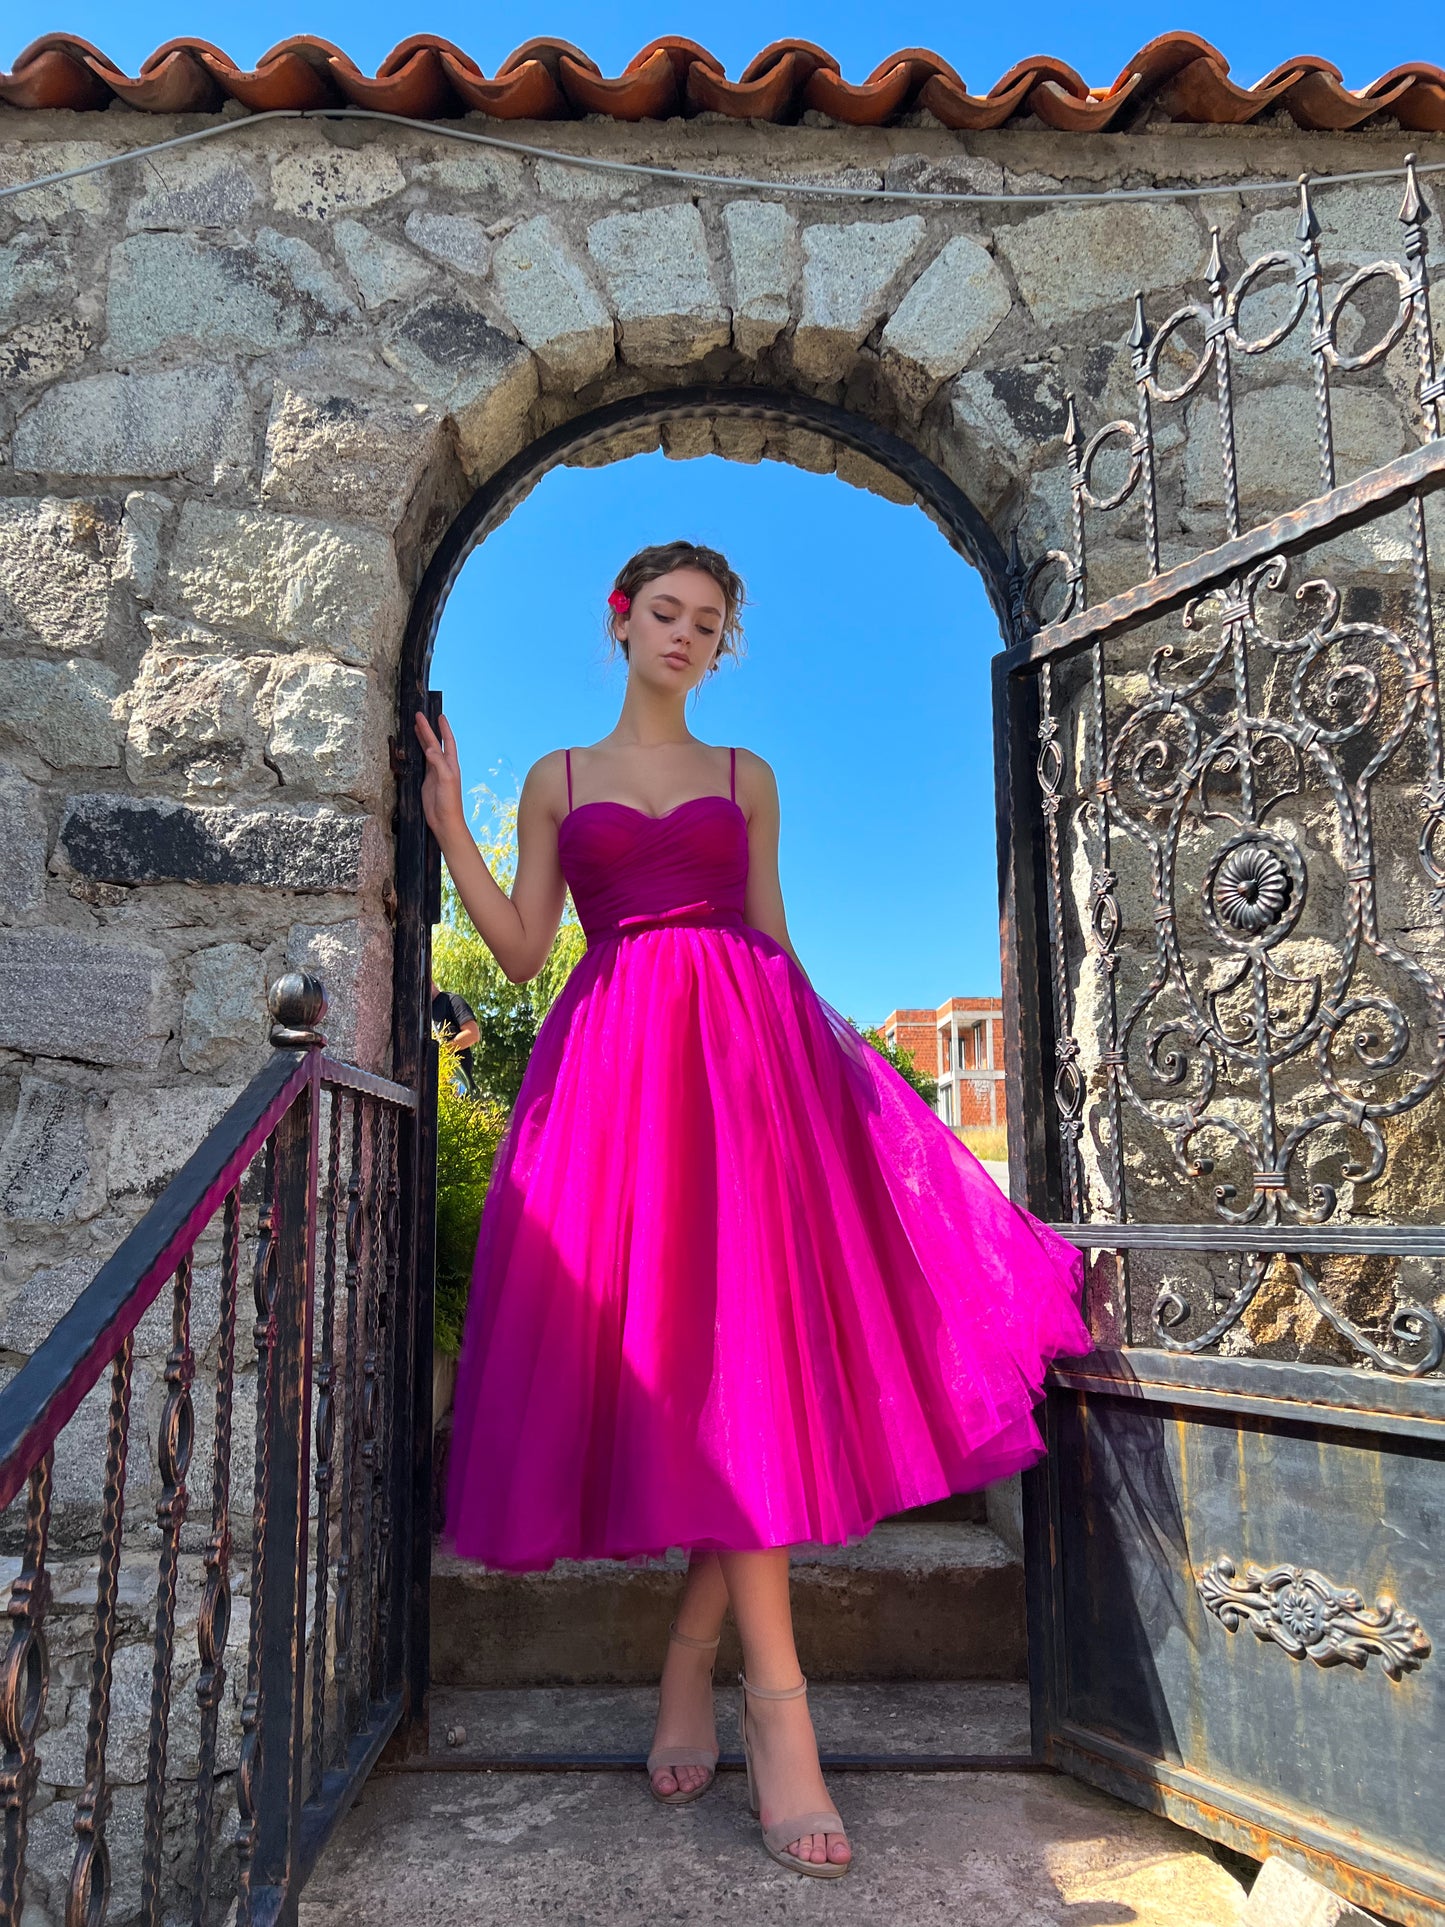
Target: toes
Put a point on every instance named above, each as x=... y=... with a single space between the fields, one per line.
x=838 y=1848
x=665 y=1780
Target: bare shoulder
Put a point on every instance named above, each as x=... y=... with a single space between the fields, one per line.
x=545 y=784
x=757 y=785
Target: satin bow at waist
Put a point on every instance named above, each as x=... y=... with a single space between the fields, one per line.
x=704 y=911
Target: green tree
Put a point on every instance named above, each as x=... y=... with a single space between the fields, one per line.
x=903 y=1061
x=508 y=1014
x=469 y=1129
x=470 y=1125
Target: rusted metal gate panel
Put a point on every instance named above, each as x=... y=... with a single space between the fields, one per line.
x=1222 y=817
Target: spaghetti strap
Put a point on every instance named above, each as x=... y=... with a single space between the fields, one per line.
x=733 y=774
x=568 y=755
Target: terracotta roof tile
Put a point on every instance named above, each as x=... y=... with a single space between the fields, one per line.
x=429 y=78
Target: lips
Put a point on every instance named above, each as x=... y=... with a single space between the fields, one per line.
x=672 y=656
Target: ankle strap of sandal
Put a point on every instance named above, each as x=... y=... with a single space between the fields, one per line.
x=686 y=1639
x=775 y=1692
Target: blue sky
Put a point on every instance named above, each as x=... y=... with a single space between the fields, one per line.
x=865 y=684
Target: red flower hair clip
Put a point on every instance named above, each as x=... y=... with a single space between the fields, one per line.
x=620 y=601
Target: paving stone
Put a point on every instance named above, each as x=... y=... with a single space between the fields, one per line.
x=157 y=424
x=46 y=1160
x=327 y=584
x=456 y=239
x=939 y=1850
x=951 y=310
x=223 y=1018
x=849 y=267
x=350 y=456
x=547 y=296
x=154 y=1130
x=1074 y=260
x=62 y=711
x=38 y=351
x=381 y=270
x=1285 y=1896
x=766 y=261
x=353 y=960
x=193 y=188
x=23 y=842
x=306 y=270
x=57 y=561
x=324 y=734
x=124 y=839
x=192 y=714
x=486 y=380
x=63 y=995
x=318 y=183
x=166 y=288
x=660 y=277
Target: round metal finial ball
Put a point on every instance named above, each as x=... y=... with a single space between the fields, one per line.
x=297 y=1003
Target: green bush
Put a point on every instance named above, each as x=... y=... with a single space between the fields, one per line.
x=469 y=1130
x=902 y=1061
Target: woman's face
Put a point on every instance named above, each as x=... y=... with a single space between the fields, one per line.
x=673 y=629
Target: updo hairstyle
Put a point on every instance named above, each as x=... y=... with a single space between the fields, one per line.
x=661 y=559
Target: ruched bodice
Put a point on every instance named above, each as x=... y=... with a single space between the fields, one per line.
x=627 y=870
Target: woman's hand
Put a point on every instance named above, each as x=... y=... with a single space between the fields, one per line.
x=441 y=790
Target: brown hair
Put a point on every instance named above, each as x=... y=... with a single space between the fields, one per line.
x=661 y=559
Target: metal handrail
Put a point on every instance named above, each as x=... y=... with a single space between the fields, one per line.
x=328 y=1667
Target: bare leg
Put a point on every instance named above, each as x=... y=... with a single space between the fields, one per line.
x=785 y=1748
x=685 y=1705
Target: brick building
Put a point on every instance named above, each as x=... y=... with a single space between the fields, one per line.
x=961 y=1044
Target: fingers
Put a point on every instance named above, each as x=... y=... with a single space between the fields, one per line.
x=447 y=736
x=425 y=734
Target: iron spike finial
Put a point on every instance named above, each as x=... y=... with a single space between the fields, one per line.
x=1308 y=228
x=297 y=1003
x=1215 y=270
x=1073 y=439
x=1139 y=333
x=1414 y=209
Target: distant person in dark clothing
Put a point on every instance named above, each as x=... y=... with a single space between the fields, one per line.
x=454 y=1017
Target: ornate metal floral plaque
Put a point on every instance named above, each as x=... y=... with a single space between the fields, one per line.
x=1312 y=1618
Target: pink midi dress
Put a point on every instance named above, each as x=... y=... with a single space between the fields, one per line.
x=736 y=1284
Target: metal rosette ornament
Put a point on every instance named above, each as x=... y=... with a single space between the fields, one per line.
x=1254 y=890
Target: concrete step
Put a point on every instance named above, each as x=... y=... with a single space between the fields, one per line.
x=894 y=1723
x=930 y=1849
x=915 y=1600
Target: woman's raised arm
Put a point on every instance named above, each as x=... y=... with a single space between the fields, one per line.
x=517 y=929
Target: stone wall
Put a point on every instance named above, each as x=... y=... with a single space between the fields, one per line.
x=244 y=388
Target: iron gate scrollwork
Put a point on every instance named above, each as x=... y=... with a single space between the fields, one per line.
x=1236 y=987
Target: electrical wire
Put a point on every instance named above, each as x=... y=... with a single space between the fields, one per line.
x=733 y=183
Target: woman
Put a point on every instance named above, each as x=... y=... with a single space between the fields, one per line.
x=737 y=1287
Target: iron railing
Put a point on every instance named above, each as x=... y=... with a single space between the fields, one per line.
x=229 y=1799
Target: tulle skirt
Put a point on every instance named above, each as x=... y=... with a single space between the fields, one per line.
x=736 y=1284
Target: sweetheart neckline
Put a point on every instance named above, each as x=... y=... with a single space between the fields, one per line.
x=610 y=803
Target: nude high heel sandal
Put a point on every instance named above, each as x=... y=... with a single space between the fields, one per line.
x=670 y=1756
x=777 y=1836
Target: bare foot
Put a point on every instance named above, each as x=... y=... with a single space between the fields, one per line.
x=788 y=1776
x=685 y=1715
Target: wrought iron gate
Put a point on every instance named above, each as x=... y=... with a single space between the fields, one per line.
x=1222 y=833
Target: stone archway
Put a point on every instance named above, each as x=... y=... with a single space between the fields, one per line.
x=791 y=426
